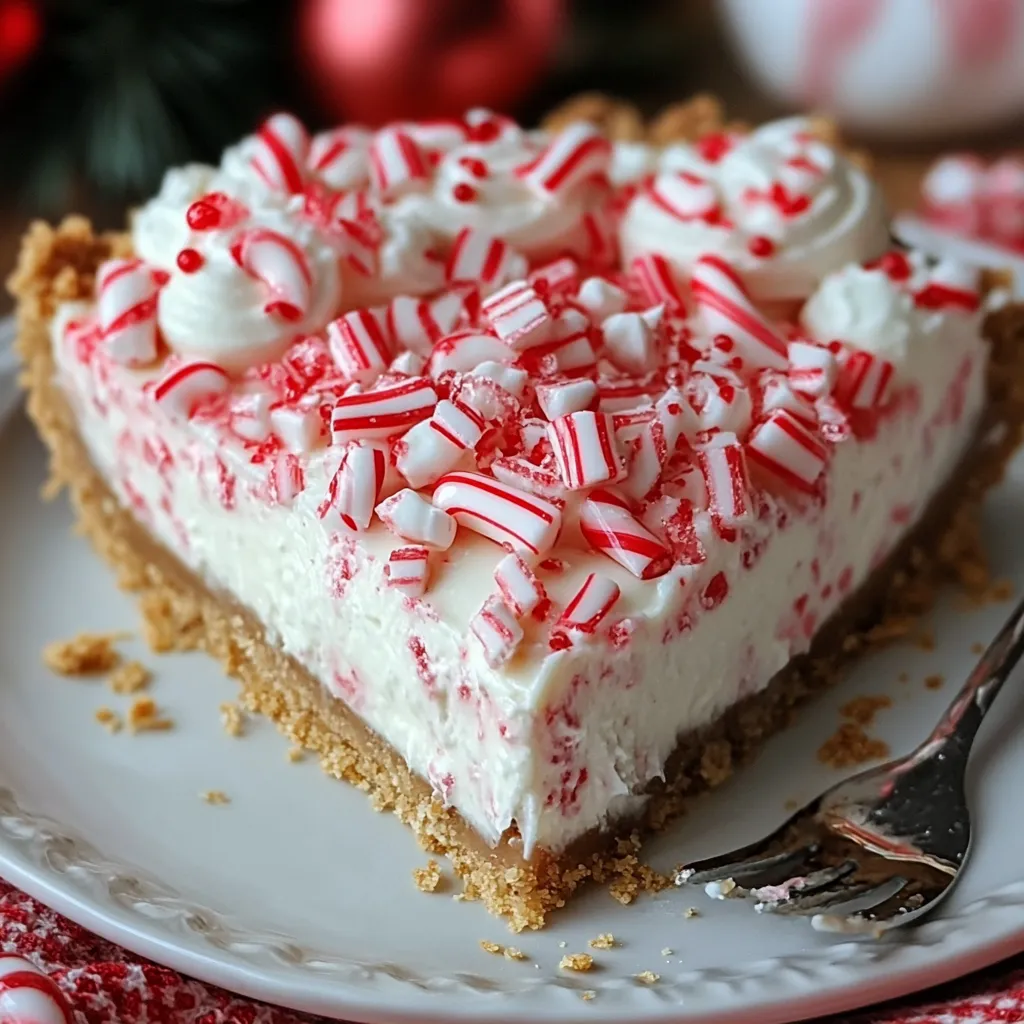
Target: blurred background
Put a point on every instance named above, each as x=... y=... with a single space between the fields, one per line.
x=97 y=97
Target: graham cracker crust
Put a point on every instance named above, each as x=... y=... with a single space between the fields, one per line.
x=181 y=613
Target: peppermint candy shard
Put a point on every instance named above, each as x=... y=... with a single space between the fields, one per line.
x=359 y=345
x=464 y=351
x=518 y=316
x=589 y=607
x=354 y=488
x=812 y=369
x=577 y=153
x=384 y=412
x=724 y=468
x=520 y=589
x=280 y=151
x=182 y=388
x=608 y=526
x=398 y=165
x=496 y=628
x=127 y=311
x=655 y=281
x=586 y=449
x=864 y=380
x=407 y=568
x=278 y=263
x=436 y=445
x=784 y=447
x=477 y=257
x=410 y=516
x=28 y=996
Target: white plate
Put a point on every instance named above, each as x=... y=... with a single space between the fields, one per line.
x=299 y=894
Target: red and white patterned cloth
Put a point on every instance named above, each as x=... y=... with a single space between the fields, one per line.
x=108 y=985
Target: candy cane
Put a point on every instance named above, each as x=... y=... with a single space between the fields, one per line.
x=28 y=996
x=340 y=157
x=398 y=165
x=608 y=526
x=181 y=389
x=463 y=351
x=384 y=412
x=586 y=449
x=496 y=628
x=658 y=441
x=630 y=342
x=812 y=369
x=410 y=516
x=127 y=311
x=507 y=515
x=359 y=345
x=433 y=447
x=726 y=309
x=577 y=153
x=787 y=449
x=518 y=316
x=479 y=257
x=280 y=151
x=407 y=569
x=863 y=381
x=654 y=279
x=724 y=468
x=685 y=196
x=355 y=487
x=589 y=606
x=281 y=266
x=519 y=587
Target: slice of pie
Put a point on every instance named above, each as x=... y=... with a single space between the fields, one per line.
x=516 y=474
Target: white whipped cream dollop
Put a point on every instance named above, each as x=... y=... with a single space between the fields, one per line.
x=159 y=228
x=218 y=311
x=815 y=210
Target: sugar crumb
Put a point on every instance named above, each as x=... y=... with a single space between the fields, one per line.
x=428 y=878
x=576 y=962
x=232 y=719
x=491 y=947
x=605 y=941
x=934 y=682
x=215 y=797
x=511 y=953
x=110 y=720
x=144 y=716
x=588 y=995
x=647 y=977
x=131 y=677
x=85 y=654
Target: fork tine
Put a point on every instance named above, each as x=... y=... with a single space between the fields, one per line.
x=815 y=902
x=735 y=865
x=794 y=888
x=874 y=919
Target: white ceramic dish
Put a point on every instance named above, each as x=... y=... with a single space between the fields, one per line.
x=299 y=894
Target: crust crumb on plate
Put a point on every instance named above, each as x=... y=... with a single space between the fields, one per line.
x=862 y=710
x=232 y=719
x=934 y=682
x=131 y=677
x=647 y=977
x=512 y=953
x=850 y=745
x=144 y=716
x=109 y=719
x=491 y=947
x=215 y=797
x=428 y=878
x=576 y=962
x=605 y=941
x=85 y=654
x=693 y=911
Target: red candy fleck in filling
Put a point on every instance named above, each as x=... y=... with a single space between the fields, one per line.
x=715 y=592
x=424 y=669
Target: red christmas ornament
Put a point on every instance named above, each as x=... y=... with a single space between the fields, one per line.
x=390 y=59
x=21 y=27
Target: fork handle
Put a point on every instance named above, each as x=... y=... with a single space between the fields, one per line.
x=959 y=725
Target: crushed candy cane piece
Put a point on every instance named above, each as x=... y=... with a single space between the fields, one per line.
x=410 y=516
x=385 y=412
x=589 y=607
x=519 y=587
x=783 y=446
x=127 y=310
x=496 y=628
x=610 y=527
x=586 y=449
x=407 y=569
x=354 y=488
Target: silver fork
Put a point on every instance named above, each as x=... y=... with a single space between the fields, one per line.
x=884 y=847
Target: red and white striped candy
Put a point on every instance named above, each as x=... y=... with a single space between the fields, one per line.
x=508 y=378
x=298 y=424
x=675 y=519
x=407 y=364
x=950 y=284
x=586 y=449
x=479 y=257
x=601 y=299
x=568 y=352
x=720 y=398
x=518 y=316
x=497 y=630
x=407 y=569
x=28 y=996
x=684 y=195
x=564 y=397
x=783 y=446
x=673 y=418
x=280 y=153
x=507 y=515
x=610 y=527
x=520 y=589
x=863 y=381
x=630 y=342
x=724 y=467
x=559 y=277
x=1004 y=199
x=654 y=279
x=596 y=237
x=287 y=479
x=463 y=351
x=577 y=153
x=953 y=192
x=180 y=390
x=249 y=414
x=359 y=345
x=410 y=516
x=127 y=304
x=280 y=266
x=774 y=391
x=398 y=165
x=384 y=412
x=726 y=309
x=436 y=445
x=358 y=244
x=812 y=369
x=340 y=157
x=417 y=323
x=589 y=606
x=525 y=475
x=355 y=487
x=626 y=394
